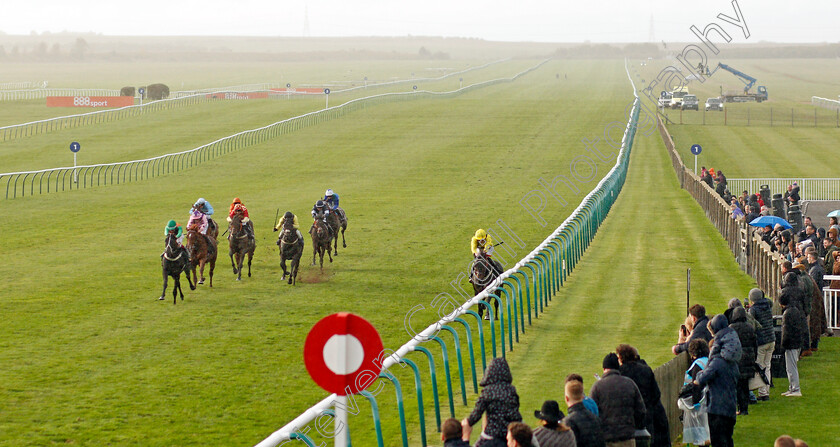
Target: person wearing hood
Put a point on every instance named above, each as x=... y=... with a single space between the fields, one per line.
x=749 y=348
x=762 y=310
x=720 y=379
x=818 y=323
x=795 y=294
x=499 y=400
x=636 y=369
x=698 y=314
x=735 y=302
x=793 y=333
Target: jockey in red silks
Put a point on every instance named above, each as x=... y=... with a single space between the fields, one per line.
x=239 y=208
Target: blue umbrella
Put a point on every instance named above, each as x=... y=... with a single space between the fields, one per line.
x=835 y=213
x=763 y=221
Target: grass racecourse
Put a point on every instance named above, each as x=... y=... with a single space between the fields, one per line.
x=90 y=357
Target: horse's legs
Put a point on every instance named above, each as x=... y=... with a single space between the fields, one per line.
x=343 y=242
x=239 y=259
x=212 y=267
x=201 y=270
x=176 y=288
x=283 y=266
x=189 y=280
x=250 y=257
x=231 y=261
x=328 y=251
x=193 y=269
x=314 y=250
x=165 y=279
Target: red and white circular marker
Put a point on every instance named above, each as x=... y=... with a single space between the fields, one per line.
x=338 y=349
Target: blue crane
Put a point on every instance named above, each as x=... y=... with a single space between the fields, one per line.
x=748 y=81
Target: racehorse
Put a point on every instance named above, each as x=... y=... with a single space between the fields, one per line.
x=203 y=250
x=175 y=261
x=212 y=229
x=291 y=247
x=240 y=244
x=321 y=238
x=482 y=274
x=338 y=221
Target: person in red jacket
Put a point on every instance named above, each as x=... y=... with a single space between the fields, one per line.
x=238 y=207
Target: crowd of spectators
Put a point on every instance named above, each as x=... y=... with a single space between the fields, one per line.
x=624 y=409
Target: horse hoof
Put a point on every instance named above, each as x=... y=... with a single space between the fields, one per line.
x=160 y=299
x=344 y=245
x=249 y=274
x=239 y=279
x=201 y=282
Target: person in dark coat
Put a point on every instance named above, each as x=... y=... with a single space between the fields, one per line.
x=749 y=349
x=796 y=297
x=720 y=379
x=585 y=425
x=636 y=369
x=817 y=324
x=720 y=189
x=698 y=314
x=620 y=403
x=499 y=400
x=793 y=332
x=451 y=434
x=553 y=432
x=762 y=310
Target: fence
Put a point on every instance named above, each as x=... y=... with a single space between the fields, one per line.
x=670 y=377
x=831 y=300
x=831 y=104
x=538 y=275
x=40 y=93
x=753 y=255
x=177 y=99
x=69 y=178
x=809 y=188
x=755 y=115
x=22 y=85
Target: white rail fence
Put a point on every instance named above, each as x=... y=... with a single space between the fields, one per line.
x=324 y=406
x=825 y=103
x=831 y=298
x=57 y=179
x=180 y=99
x=17 y=95
x=809 y=188
x=22 y=85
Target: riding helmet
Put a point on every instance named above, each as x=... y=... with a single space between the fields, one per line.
x=480 y=234
x=288 y=215
x=328 y=193
x=319 y=204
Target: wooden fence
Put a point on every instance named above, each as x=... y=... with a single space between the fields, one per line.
x=752 y=254
x=670 y=378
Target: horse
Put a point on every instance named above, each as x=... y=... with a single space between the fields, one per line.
x=203 y=250
x=291 y=247
x=321 y=238
x=175 y=261
x=338 y=221
x=482 y=274
x=241 y=244
x=212 y=229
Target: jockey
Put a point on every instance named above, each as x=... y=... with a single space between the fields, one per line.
x=203 y=207
x=331 y=199
x=236 y=201
x=239 y=208
x=174 y=229
x=198 y=219
x=483 y=243
x=321 y=208
x=289 y=217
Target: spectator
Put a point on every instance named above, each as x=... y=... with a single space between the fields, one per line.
x=501 y=402
x=727 y=196
x=707 y=179
x=695 y=419
x=519 y=435
x=698 y=315
x=588 y=403
x=552 y=432
x=823 y=249
x=720 y=378
x=762 y=310
x=802 y=233
x=736 y=212
x=817 y=324
x=835 y=284
x=793 y=332
x=833 y=223
x=685 y=330
x=451 y=433
x=746 y=366
x=767 y=235
x=620 y=405
x=585 y=425
x=720 y=188
x=784 y=441
x=811 y=235
x=808 y=288
x=636 y=369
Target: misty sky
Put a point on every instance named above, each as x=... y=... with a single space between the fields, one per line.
x=524 y=20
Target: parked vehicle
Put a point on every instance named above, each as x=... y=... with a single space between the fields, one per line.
x=690 y=102
x=664 y=100
x=714 y=104
x=677 y=97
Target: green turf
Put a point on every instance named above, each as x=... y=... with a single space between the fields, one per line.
x=93 y=358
